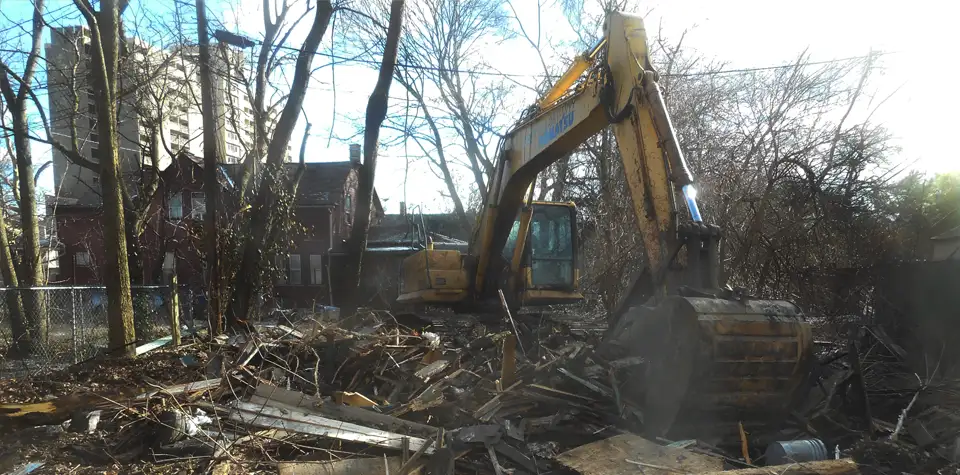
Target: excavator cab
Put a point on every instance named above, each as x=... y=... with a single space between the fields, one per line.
x=548 y=258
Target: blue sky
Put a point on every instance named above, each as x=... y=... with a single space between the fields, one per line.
x=918 y=72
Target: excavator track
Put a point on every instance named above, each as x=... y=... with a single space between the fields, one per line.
x=713 y=364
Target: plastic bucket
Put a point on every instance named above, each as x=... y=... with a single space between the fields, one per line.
x=804 y=450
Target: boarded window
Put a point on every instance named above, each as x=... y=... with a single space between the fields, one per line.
x=296 y=271
x=82 y=259
x=198 y=205
x=316 y=269
x=168 y=261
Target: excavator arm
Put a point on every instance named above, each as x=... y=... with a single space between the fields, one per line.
x=620 y=88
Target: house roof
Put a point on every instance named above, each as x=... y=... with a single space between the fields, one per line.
x=949 y=235
x=322 y=182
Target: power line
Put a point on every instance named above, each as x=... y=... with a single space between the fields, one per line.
x=492 y=72
x=782 y=66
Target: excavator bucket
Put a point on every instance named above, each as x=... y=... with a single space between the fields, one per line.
x=711 y=363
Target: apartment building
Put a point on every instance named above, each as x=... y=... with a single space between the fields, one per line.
x=160 y=91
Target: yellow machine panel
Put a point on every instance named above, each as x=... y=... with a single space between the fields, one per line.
x=433 y=276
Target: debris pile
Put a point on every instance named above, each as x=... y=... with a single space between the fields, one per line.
x=370 y=395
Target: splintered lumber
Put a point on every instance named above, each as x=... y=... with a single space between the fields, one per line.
x=181 y=389
x=357 y=466
x=625 y=454
x=292 y=419
x=271 y=395
x=432 y=369
x=51 y=412
x=822 y=467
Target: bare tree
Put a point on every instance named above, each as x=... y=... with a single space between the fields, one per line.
x=17 y=98
x=376 y=113
x=105 y=34
x=265 y=222
x=457 y=124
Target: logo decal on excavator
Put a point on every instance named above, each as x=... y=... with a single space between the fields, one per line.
x=556 y=127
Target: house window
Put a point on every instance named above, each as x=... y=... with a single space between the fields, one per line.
x=82 y=259
x=290 y=270
x=169 y=266
x=53 y=259
x=168 y=262
x=296 y=270
x=198 y=204
x=347 y=207
x=316 y=269
x=233 y=148
x=175 y=206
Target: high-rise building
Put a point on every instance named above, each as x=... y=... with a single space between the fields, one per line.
x=159 y=93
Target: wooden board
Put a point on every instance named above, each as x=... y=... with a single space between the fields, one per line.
x=358 y=466
x=609 y=457
x=822 y=467
x=366 y=417
x=291 y=419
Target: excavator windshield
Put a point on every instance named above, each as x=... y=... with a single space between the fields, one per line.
x=550 y=249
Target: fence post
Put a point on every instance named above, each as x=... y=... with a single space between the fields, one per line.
x=73 y=325
x=174 y=309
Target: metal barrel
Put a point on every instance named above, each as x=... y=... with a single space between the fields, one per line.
x=804 y=450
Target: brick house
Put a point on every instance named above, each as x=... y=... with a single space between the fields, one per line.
x=324 y=207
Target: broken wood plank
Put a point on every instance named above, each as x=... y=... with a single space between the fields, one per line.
x=267 y=395
x=484 y=409
x=603 y=391
x=609 y=457
x=822 y=467
x=294 y=420
x=357 y=466
x=179 y=389
x=432 y=369
x=508 y=365
x=353 y=399
x=153 y=345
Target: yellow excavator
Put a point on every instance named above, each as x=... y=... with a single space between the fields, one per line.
x=712 y=357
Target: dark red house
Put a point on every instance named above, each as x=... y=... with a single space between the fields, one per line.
x=324 y=207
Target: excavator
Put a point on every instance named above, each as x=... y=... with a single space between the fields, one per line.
x=713 y=358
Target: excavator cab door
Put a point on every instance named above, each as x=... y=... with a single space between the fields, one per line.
x=548 y=269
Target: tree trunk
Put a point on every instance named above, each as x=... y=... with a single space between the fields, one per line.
x=212 y=153
x=22 y=341
x=375 y=114
x=262 y=215
x=31 y=274
x=29 y=268
x=104 y=26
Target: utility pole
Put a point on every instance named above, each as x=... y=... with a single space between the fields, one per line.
x=212 y=152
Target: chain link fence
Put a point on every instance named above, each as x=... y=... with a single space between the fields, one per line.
x=71 y=323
